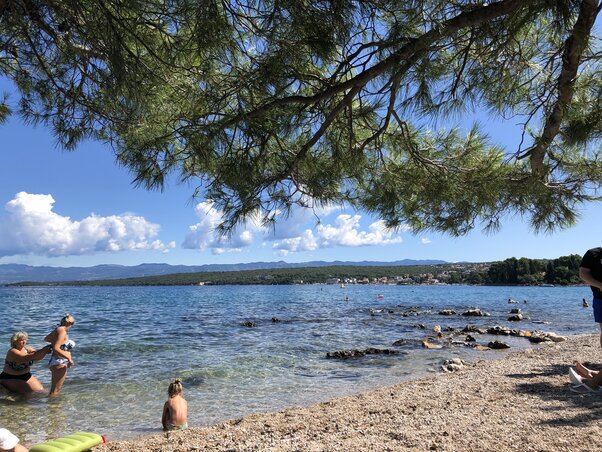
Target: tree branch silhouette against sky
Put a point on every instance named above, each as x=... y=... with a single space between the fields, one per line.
x=264 y=107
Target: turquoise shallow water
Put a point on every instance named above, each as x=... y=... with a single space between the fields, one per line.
x=132 y=341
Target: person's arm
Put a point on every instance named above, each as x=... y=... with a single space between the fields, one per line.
x=22 y=356
x=165 y=416
x=40 y=354
x=586 y=276
x=36 y=355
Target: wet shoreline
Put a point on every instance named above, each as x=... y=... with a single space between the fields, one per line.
x=520 y=401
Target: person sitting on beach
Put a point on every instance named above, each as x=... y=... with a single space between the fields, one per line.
x=175 y=410
x=590 y=272
x=61 y=358
x=589 y=377
x=16 y=375
x=9 y=442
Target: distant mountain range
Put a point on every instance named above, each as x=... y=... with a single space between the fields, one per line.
x=12 y=273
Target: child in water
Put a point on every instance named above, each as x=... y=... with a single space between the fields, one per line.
x=175 y=410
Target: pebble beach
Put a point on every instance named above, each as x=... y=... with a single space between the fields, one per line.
x=520 y=402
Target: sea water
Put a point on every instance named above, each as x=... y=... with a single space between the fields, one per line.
x=131 y=342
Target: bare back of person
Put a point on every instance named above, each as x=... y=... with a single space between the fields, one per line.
x=175 y=413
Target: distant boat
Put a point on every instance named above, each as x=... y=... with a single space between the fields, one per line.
x=546 y=285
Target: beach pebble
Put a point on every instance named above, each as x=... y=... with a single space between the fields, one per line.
x=538 y=337
x=556 y=338
x=451 y=367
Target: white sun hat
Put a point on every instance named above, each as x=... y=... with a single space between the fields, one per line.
x=7 y=439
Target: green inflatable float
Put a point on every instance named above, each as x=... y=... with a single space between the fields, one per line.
x=76 y=442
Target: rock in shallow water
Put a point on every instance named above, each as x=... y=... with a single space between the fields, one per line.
x=497 y=345
x=354 y=353
x=447 y=312
x=476 y=312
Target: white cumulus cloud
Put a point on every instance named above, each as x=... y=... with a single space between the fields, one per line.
x=291 y=235
x=31 y=227
x=344 y=232
x=305 y=242
x=294 y=224
x=203 y=236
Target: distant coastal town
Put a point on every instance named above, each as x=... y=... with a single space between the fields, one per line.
x=454 y=274
x=561 y=271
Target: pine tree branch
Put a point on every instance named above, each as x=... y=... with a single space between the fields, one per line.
x=408 y=53
x=411 y=48
x=574 y=47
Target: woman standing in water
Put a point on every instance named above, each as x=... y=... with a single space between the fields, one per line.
x=61 y=358
x=16 y=375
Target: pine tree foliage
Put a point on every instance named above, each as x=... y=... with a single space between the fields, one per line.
x=265 y=105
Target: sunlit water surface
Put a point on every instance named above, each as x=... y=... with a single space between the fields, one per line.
x=132 y=341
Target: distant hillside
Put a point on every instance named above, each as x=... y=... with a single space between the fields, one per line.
x=12 y=273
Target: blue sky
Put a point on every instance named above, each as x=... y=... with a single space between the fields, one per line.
x=80 y=208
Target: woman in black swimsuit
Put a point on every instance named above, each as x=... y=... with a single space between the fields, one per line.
x=16 y=375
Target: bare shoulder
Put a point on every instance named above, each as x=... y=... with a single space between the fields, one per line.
x=60 y=333
x=14 y=352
